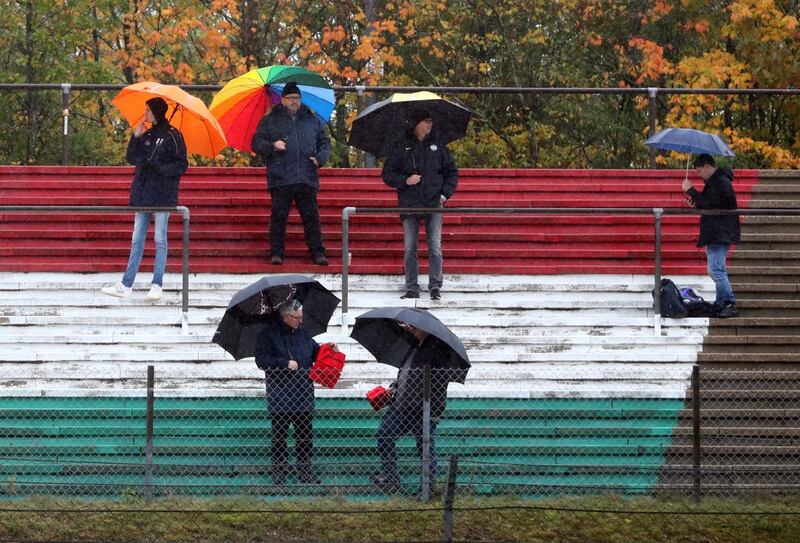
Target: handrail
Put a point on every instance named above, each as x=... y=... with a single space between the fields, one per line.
x=657 y=213
x=183 y=210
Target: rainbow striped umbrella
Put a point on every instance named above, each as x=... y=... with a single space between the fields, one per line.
x=243 y=101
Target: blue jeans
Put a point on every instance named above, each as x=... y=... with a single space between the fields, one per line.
x=433 y=235
x=717 y=254
x=140 y=225
x=395 y=424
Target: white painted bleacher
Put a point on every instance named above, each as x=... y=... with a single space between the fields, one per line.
x=543 y=336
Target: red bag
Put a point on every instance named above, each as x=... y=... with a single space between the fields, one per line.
x=327 y=367
x=378 y=397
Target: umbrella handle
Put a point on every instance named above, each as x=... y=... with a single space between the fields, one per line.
x=174 y=111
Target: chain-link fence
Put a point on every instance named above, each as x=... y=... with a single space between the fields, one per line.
x=572 y=431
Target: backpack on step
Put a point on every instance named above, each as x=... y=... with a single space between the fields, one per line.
x=671 y=301
x=695 y=305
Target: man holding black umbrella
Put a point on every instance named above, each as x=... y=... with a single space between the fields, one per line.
x=285 y=351
x=405 y=414
x=423 y=172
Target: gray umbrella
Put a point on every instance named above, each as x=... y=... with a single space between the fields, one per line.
x=380 y=331
x=253 y=307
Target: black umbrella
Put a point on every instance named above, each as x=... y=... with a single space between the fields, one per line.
x=253 y=307
x=383 y=123
x=380 y=332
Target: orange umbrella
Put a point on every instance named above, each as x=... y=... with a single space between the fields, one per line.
x=201 y=131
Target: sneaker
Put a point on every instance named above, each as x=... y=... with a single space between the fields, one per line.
x=308 y=476
x=388 y=485
x=118 y=290
x=154 y=294
x=435 y=294
x=319 y=260
x=276 y=260
x=730 y=310
x=410 y=294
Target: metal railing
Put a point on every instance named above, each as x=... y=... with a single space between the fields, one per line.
x=361 y=91
x=183 y=210
x=656 y=212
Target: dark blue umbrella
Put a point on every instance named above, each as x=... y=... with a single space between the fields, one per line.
x=689 y=140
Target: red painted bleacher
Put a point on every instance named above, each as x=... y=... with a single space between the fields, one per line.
x=229 y=218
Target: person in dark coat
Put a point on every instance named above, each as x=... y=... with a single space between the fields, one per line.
x=425 y=175
x=159 y=154
x=286 y=352
x=717 y=232
x=405 y=413
x=295 y=144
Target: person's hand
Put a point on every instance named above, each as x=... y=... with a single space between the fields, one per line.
x=333 y=346
x=293 y=365
x=314 y=161
x=413 y=179
x=687 y=185
x=138 y=130
x=279 y=145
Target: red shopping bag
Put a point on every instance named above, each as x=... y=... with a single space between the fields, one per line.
x=327 y=367
x=378 y=397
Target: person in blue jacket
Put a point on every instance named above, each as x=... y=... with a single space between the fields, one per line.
x=159 y=154
x=295 y=145
x=286 y=352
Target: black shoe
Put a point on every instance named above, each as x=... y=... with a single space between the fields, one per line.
x=410 y=294
x=435 y=294
x=730 y=310
x=308 y=476
x=276 y=260
x=319 y=260
x=388 y=485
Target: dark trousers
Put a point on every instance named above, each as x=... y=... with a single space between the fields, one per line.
x=306 y=199
x=395 y=424
x=303 y=435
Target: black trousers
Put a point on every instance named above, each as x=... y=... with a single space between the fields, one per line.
x=306 y=199
x=303 y=435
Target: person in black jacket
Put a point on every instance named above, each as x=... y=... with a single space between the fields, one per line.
x=717 y=232
x=295 y=144
x=159 y=155
x=405 y=413
x=425 y=176
x=286 y=352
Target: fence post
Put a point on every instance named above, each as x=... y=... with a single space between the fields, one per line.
x=657 y=213
x=65 y=89
x=449 y=498
x=148 y=444
x=425 y=484
x=345 y=263
x=652 y=113
x=185 y=273
x=696 y=429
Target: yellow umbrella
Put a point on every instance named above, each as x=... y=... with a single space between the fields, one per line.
x=201 y=131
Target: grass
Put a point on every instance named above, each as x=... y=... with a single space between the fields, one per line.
x=612 y=519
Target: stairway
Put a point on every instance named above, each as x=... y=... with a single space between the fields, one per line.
x=570 y=390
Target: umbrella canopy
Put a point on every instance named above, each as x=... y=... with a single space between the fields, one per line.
x=243 y=101
x=381 y=124
x=253 y=307
x=689 y=140
x=380 y=332
x=201 y=131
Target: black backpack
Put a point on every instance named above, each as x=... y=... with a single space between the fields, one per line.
x=695 y=305
x=671 y=302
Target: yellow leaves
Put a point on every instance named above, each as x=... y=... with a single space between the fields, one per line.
x=336 y=34
x=653 y=65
